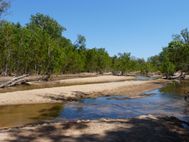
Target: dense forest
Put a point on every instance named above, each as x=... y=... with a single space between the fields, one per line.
x=40 y=47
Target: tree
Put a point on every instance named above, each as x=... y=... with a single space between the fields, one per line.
x=182 y=37
x=154 y=61
x=98 y=60
x=39 y=47
x=123 y=62
x=47 y=24
x=143 y=66
x=7 y=46
x=4 y=5
x=174 y=57
x=167 y=67
x=80 y=43
x=103 y=60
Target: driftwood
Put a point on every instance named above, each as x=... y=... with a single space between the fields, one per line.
x=15 y=81
x=46 y=77
x=179 y=75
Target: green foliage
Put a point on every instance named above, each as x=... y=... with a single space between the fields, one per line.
x=175 y=56
x=167 y=67
x=122 y=62
x=80 y=42
x=40 y=48
x=46 y=24
x=8 y=43
x=98 y=60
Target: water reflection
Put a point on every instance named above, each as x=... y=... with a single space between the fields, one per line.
x=167 y=101
x=140 y=77
x=177 y=88
x=120 y=107
x=11 y=116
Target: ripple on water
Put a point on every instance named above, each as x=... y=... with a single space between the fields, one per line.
x=166 y=101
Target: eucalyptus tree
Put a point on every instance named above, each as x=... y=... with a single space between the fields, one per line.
x=98 y=60
x=167 y=67
x=103 y=61
x=7 y=46
x=49 y=33
x=177 y=51
x=123 y=62
x=47 y=24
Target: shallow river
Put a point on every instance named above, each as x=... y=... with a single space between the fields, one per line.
x=167 y=101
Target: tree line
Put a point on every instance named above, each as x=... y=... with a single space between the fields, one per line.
x=174 y=57
x=40 y=47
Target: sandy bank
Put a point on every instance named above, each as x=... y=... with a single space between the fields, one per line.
x=140 y=129
x=59 y=94
x=97 y=79
x=59 y=81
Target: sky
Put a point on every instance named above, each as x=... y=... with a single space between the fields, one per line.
x=141 y=27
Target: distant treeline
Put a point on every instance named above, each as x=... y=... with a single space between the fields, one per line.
x=39 y=47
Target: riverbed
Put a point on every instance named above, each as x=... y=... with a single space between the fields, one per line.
x=165 y=101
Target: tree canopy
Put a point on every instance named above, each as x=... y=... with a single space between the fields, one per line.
x=40 y=47
x=174 y=57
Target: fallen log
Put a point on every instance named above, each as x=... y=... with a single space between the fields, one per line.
x=46 y=77
x=178 y=75
x=14 y=81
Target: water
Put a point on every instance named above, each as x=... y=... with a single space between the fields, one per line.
x=11 y=116
x=167 y=101
x=121 y=107
x=143 y=78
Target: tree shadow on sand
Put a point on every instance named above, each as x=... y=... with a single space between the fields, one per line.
x=167 y=129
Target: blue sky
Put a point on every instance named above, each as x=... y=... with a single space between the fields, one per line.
x=141 y=27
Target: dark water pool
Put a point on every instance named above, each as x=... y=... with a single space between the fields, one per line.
x=167 y=101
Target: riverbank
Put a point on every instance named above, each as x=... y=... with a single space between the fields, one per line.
x=130 y=88
x=137 y=129
x=140 y=129
x=62 y=80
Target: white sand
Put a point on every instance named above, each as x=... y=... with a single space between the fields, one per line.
x=50 y=95
x=107 y=78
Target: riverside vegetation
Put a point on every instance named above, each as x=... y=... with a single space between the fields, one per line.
x=40 y=47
